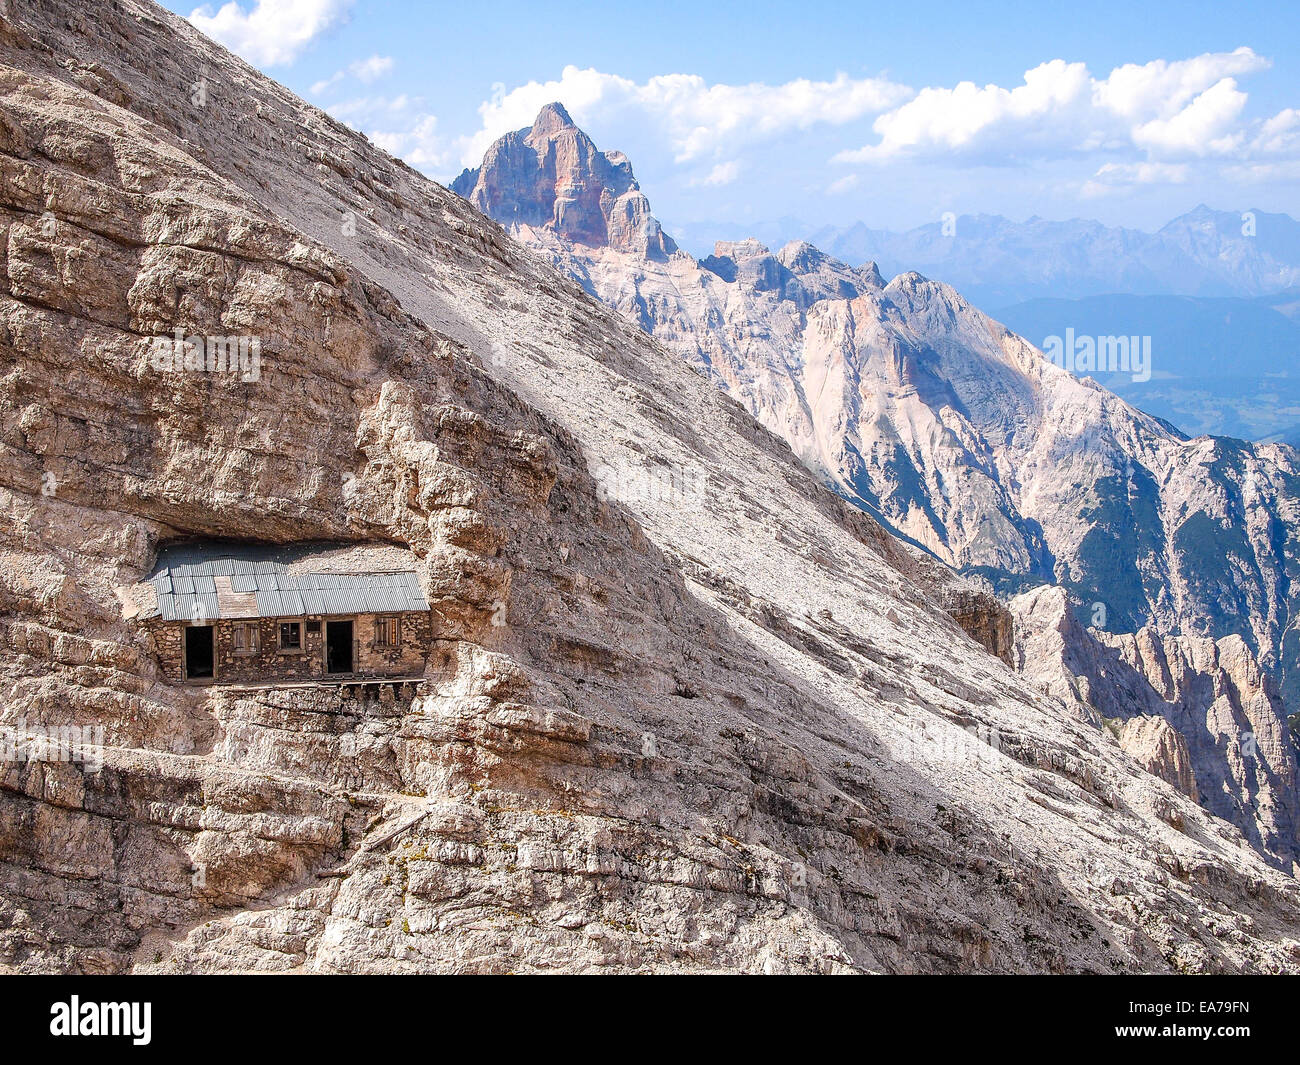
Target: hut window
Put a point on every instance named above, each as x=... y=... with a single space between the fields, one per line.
x=247 y=637
x=290 y=635
x=313 y=626
x=387 y=632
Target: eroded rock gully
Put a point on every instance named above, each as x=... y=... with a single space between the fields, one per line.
x=735 y=732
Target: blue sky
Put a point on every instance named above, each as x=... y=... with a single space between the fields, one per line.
x=827 y=112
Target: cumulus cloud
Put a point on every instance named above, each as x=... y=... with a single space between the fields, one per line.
x=271 y=32
x=1279 y=136
x=1161 y=88
x=326 y=84
x=1208 y=125
x=1114 y=176
x=368 y=70
x=968 y=118
x=419 y=144
x=722 y=174
x=1160 y=112
x=698 y=119
x=1142 y=124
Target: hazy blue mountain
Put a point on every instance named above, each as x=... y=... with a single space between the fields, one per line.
x=1224 y=366
x=997 y=262
x=1258 y=252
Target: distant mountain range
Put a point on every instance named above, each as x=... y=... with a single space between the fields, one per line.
x=996 y=262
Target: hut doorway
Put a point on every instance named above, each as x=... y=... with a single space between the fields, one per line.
x=338 y=646
x=198 y=652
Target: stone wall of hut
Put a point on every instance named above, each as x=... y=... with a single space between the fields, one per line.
x=271 y=664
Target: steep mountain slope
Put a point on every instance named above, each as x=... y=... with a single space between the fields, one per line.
x=724 y=727
x=1197 y=712
x=962 y=436
x=1201 y=253
x=926 y=412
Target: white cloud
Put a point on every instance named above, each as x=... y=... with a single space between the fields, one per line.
x=364 y=70
x=967 y=118
x=697 y=119
x=1161 y=88
x=1253 y=173
x=324 y=84
x=722 y=174
x=420 y=144
x=1204 y=127
x=1115 y=176
x=1164 y=111
x=842 y=185
x=272 y=32
x=372 y=69
x=1279 y=136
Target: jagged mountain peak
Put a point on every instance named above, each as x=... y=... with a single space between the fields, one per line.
x=552 y=118
x=802 y=257
x=552 y=177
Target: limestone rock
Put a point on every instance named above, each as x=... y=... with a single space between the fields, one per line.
x=553 y=176
x=1160 y=749
x=1198 y=713
x=957 y=433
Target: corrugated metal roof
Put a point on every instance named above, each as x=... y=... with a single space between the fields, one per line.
x=186 y=587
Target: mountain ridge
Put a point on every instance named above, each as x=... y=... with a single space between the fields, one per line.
x=1202 y=252
x=964 y=438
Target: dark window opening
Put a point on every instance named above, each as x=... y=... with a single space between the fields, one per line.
x=247 y=637
x=290 y=635
x=313 y=626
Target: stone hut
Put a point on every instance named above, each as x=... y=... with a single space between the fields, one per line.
x=251 y=615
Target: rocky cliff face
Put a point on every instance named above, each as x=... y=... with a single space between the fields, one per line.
x=688 y=709
x=963 y=437
x=1197 y=712
x=553 y=176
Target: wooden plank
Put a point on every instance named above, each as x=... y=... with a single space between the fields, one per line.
x=233 y=604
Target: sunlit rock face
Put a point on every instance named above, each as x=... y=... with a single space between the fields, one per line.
x=1196 y=712
x=553 y=176
x=961 y=436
